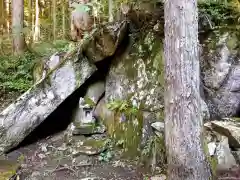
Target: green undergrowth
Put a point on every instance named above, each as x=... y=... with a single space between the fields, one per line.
x=219 y=13
x=16 y=71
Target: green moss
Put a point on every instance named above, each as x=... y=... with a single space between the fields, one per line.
x=128 y=134
x=160 y=115
x=38 y=71
x=154 y=153
x=212 y=160
x=7 y=169
x=232 y=42
x=237 y=119
x=125 y=128
x=89 y=101
x=95 y=143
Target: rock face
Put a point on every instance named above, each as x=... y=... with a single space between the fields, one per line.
x=221 y=73
x=29 y=110
x=105 y=42
x=224 y=155
x=229 y=129
x=137 y=74
x=221 y=138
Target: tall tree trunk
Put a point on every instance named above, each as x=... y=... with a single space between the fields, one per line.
x=37 y=25
x=30 y=20
x=64 y=18
x=183 y=119
x=110 y=10
x=7 y=5
x=50 y=18
x=33 y=19
x=54 y=20
x=1 y=17
x=17 y=26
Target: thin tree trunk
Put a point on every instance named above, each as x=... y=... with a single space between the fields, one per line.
x=4 y=15
x=64 y=18
x=33 y=20
x=17 y=26
x=54 y=20
x=37 y=25
x=110 y=10
x=7 y=5
x=183 y=120
x=50 y=18
x=1 y=17
x=30 y=21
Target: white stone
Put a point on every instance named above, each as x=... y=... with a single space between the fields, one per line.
x=211 y=148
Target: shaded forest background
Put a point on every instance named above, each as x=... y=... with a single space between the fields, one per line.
x=46 y=29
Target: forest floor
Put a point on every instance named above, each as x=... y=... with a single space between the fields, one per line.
x=47 y=160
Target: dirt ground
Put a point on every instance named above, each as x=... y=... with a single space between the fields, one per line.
x=48 y=160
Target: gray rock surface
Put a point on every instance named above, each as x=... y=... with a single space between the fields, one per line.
x=229 y=129
x=95 y=91
x=221 y=73
x=136 y=74
x=224 y=156
x=30 y=109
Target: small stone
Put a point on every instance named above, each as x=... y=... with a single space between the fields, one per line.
x=81 y=160
x=224 y=156
x=62 y=148
x=159 y=177
x=41 y=156
x=36 y=176
x=211 y=148
x=100 y=129
x=44 y=148
x=159 y=126
x=87 y=129
x=91 y=147
x=89 y=178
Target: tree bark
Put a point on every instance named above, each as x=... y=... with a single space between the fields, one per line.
x=110 y=10
x=1 y=17
x=37 y=25
x=7 y=15
x=54 y=20
x=64 y=18
x=183 y=119
x=17 y=26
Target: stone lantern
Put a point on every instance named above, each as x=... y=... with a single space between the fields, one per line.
x=84 y=122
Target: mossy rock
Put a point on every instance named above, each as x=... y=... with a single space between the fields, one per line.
x=212 y=160
x=91 y=147
x=236 y=119
x=128 y=134
x=8 y=169
x=85 y=129
x=154 y=153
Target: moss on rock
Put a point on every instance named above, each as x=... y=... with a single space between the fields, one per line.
x=8 y=169
x=91 y=147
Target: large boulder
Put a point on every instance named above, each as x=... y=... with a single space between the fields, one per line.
x=31 y=109
x=59 y=78
x=104 y=42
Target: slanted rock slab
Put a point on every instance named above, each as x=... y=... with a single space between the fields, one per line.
x=23 y=116
x=229 y=129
